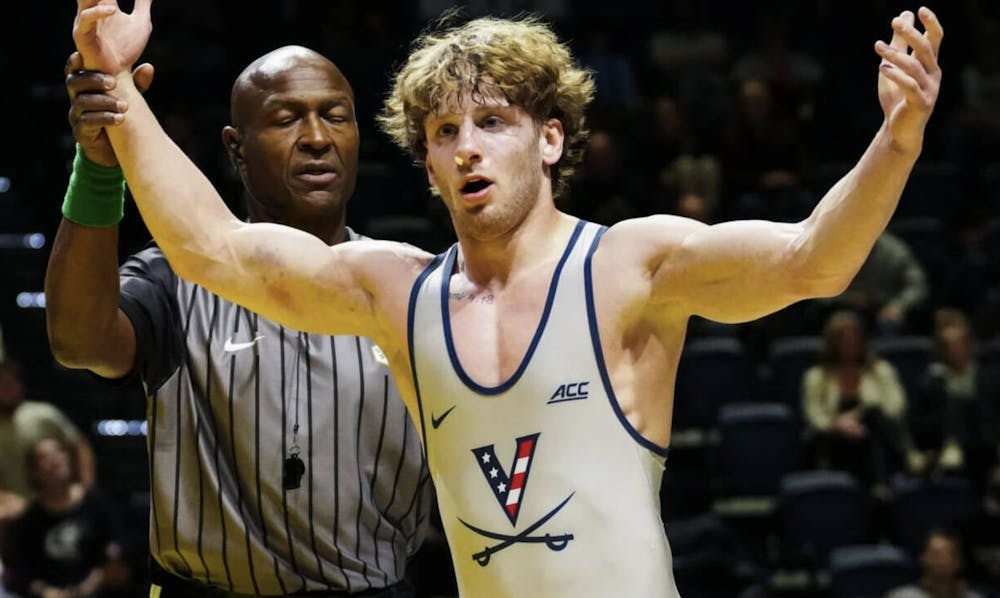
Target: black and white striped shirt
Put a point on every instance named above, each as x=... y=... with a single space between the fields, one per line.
x=226 y=389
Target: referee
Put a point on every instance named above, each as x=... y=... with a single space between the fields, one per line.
x=282 y=463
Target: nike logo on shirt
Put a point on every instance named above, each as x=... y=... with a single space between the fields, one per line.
x=231 y=347
x=436 y=421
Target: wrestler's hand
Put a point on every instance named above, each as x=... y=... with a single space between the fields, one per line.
x=92 y=108
x=110 y=40
x=908 y=82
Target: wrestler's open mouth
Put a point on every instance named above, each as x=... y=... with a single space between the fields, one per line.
x=474 y=186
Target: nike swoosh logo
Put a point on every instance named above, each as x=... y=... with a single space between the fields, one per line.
x=231 y=347
x=436 y=421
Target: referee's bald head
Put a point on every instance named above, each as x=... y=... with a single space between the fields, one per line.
x=262 y=76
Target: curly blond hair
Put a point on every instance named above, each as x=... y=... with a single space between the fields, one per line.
x=522 y=58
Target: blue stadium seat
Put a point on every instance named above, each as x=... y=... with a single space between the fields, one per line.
x=989 y=355
x=918 y=505
x=929 y=240
x=788 y=359
x=868 y=571
x=759 y=443
x=712 y=372
x=910 y=355
x=822 y=510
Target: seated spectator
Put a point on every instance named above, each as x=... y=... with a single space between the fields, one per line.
x=981 y=532
x=604 y=191
x=955 y=416
x=972 y=280
x=792 y=73
x=58 y=547
x=688 y=56
x=940 y=570
x=671 y=163
x=616 y=83
x=764 y=158
x=889 y=286
x=695 y=183
x=854 y=405
x=22 y=424
x=660 y=133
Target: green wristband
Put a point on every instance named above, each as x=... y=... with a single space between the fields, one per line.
x=96 y=194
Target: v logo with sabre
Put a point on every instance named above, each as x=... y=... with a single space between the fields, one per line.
x=555 y=543
x=509 y=491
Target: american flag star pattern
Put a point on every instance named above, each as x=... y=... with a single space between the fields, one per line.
x=508 y=488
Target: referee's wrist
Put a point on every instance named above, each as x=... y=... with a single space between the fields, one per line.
x=96 y=194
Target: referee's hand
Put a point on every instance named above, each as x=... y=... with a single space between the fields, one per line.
x=92 y=108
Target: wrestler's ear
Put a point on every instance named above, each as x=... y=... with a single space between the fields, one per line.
x=430 y=177
x=550 y=139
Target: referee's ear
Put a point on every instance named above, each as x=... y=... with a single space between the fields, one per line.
x=233 y=140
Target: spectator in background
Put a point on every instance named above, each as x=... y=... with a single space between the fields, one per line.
x=792 y=75
x=889 y=287
x=22 y=424
x=854 y=405
x=688 y=60
x=59 y=546
x=695 y=182
x=678 y=172
x=972 y=276
x=955 y=415
x=941 y=570
x=664 y=133
x=613 y=75
x=764 y=157
x=604 y=192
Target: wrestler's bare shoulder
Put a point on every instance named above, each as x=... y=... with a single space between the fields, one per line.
x=645 y=242
x=385 y=257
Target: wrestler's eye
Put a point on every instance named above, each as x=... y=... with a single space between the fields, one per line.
x=447 y=130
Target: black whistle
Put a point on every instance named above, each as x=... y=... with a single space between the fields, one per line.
x=291 y=472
